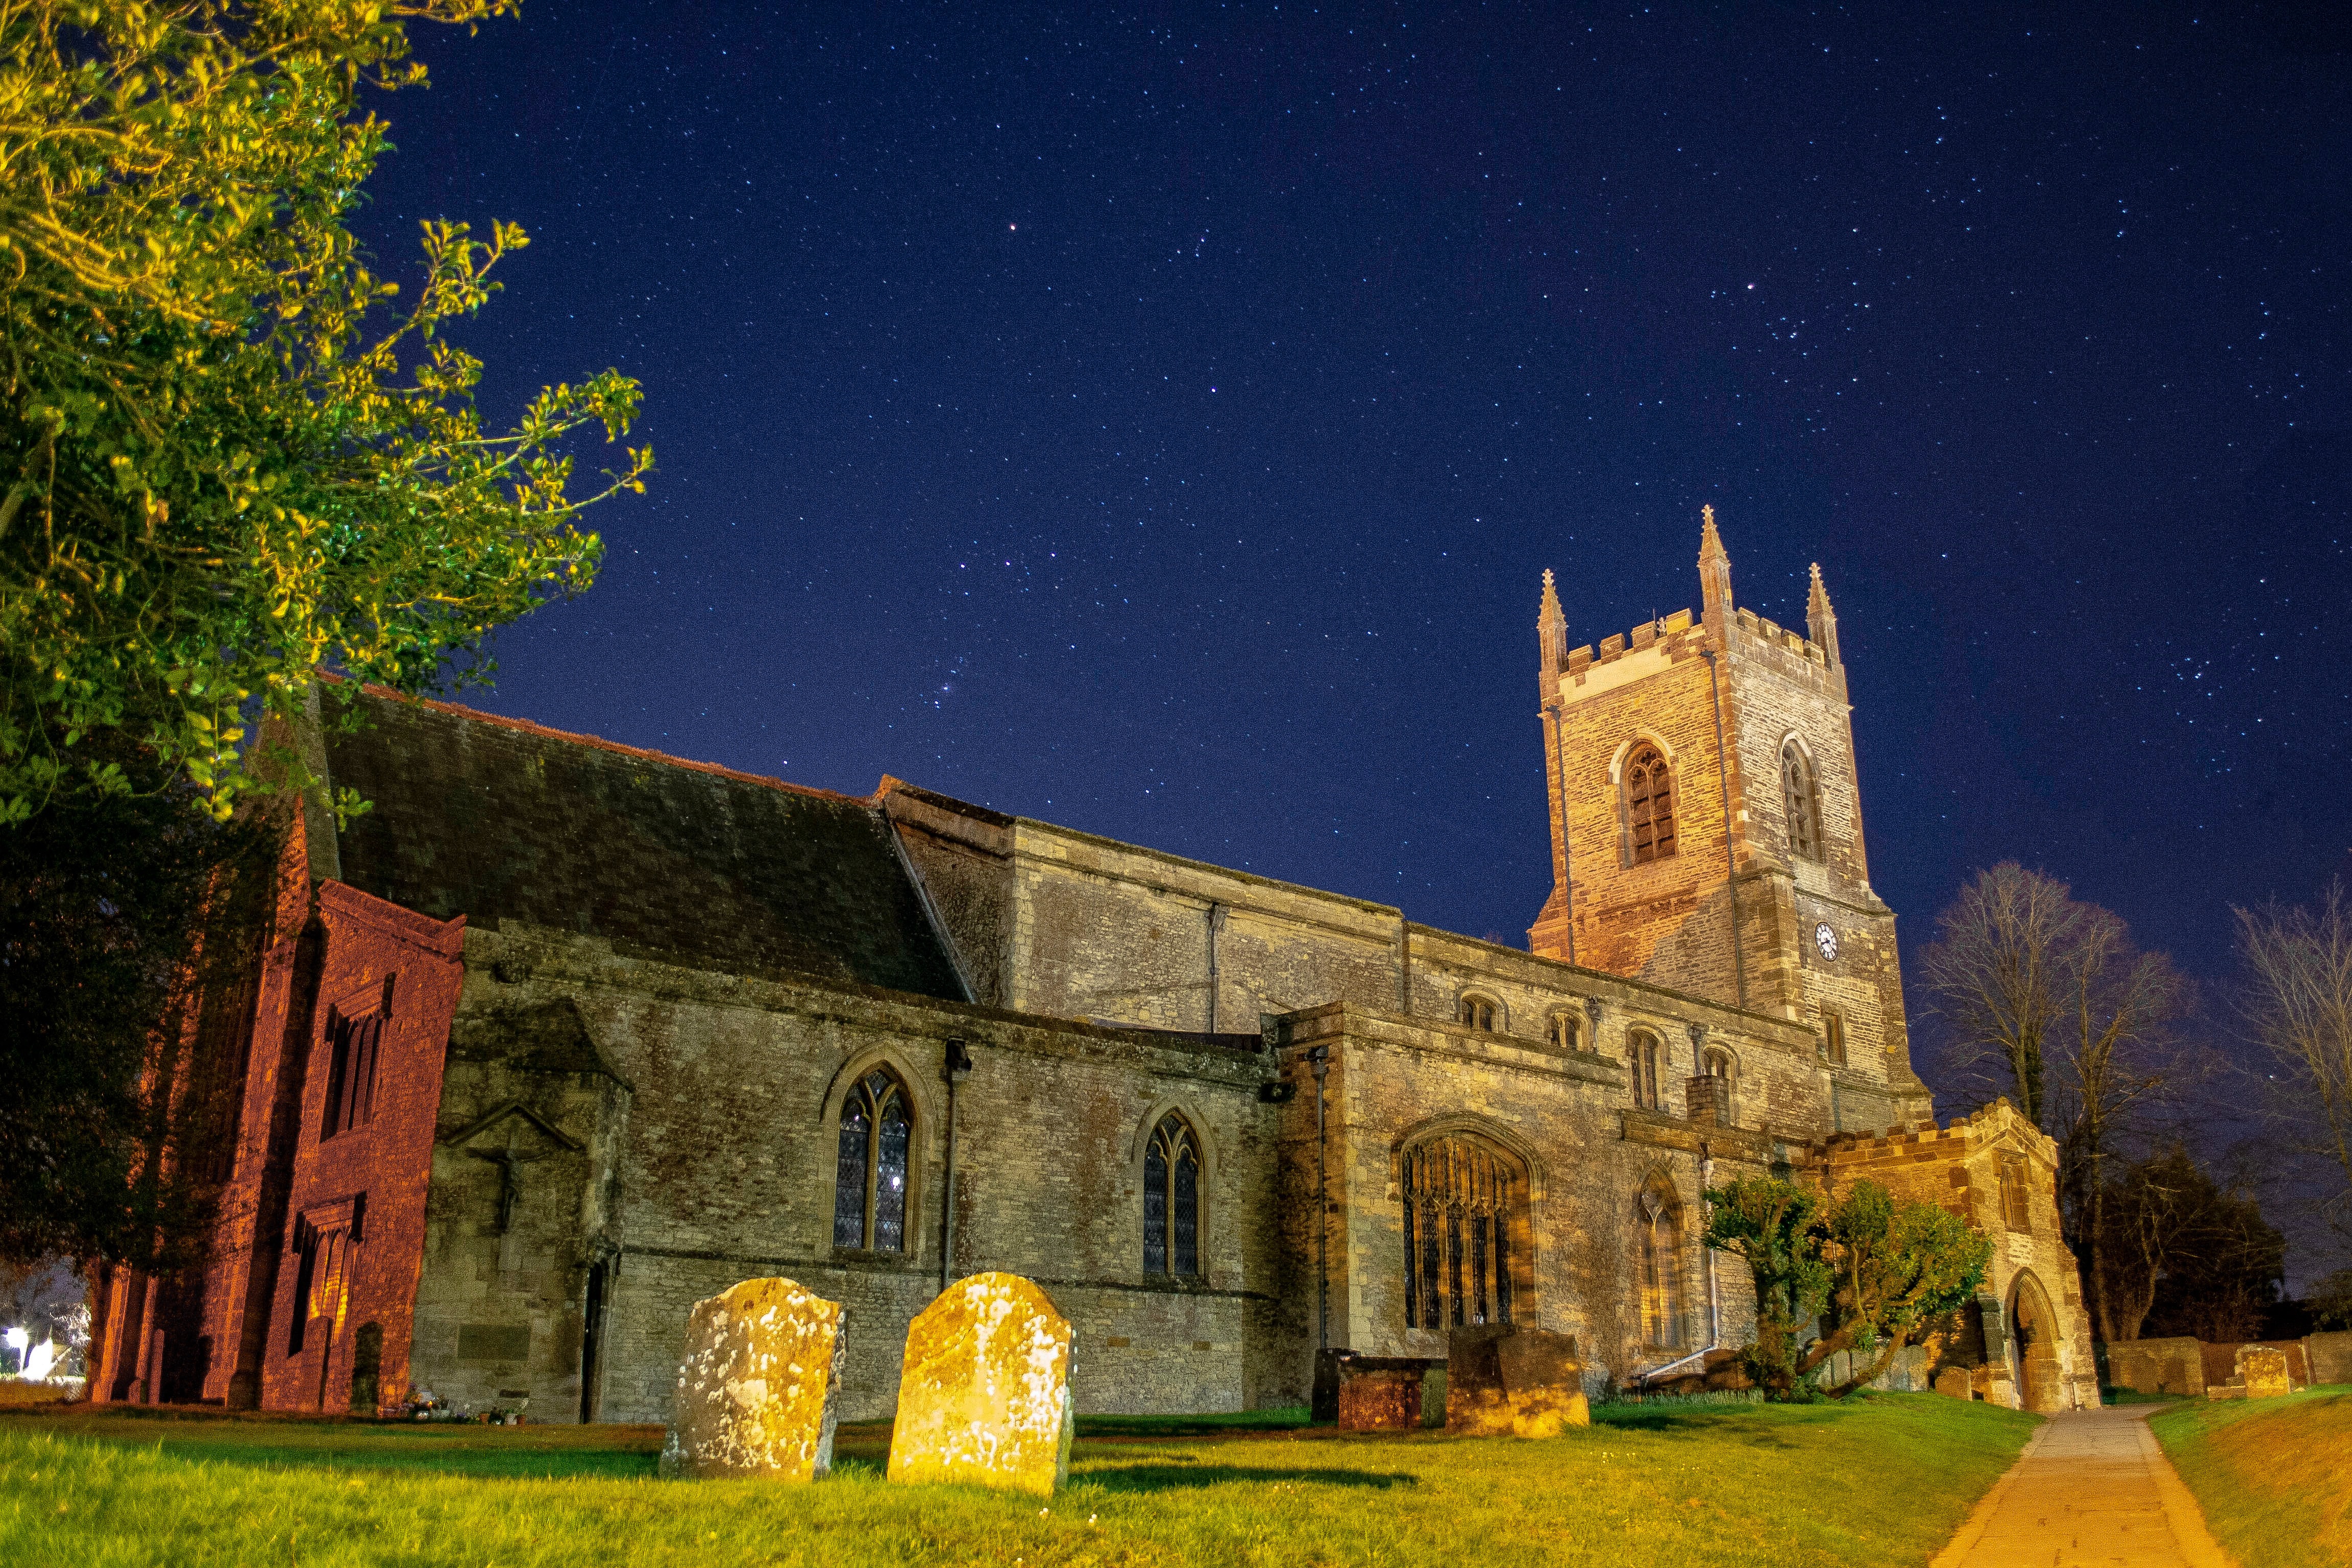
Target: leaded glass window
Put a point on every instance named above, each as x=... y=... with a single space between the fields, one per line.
x=1171 y=1200
x=1642 y=1066
x=1657 y=1267
x=1459 y=1199
x=869 y=1184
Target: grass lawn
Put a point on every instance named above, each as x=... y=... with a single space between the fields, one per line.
x=2274 y=1476
x=1882 y=1479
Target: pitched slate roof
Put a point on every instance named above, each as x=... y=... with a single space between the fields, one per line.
x=500 y=819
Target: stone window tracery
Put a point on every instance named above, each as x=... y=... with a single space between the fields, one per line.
x=1657 y=1265
x=1171 y=1200
x=1642 y=1051
x=1800 y=802
x=1649 y=805
x=1476 y=1012
x=352 y=1045
x=869 y=1193
x=1460 y=1200
x=1563 y=1031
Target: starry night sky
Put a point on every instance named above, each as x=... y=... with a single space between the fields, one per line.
x=1158 y=421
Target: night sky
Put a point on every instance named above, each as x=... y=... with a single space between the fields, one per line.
x=1159 y=421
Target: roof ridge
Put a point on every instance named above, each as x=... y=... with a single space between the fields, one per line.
x=529 y=727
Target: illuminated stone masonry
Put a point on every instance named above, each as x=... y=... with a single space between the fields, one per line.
x=562 y=1037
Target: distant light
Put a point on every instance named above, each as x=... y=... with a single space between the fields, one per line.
x=18 y=1338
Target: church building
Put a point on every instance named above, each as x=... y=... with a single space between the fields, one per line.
x=561 y=1036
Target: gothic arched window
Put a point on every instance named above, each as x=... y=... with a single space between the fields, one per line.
x=1798 y=797
x=1649 y=805
x=1460 y=1197
x=1718 y=1063
x=1562 y=1032
x=1642 y=1051
x=869 y=1192
x=1657 y=1265
x=1477 y=1012
x=1171 y=1200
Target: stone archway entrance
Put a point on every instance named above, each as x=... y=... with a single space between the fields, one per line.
x=2033 y=1344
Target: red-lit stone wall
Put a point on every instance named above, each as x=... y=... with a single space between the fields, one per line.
x=368 y=1180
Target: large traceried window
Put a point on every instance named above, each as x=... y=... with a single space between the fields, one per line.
x=1460 y=1197
x=1649 y=805
x=1798 y=799
x=1657 y=1265
x=869 y=1193
x=1172 y=1201
x=1641 y=1053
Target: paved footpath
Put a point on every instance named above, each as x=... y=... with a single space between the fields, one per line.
x=2093 y=1487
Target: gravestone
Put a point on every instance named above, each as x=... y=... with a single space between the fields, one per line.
x=2262 y=1370
x=1955 y=1382
x=757 y=1386
x=1508 y=1380
x=1380 y=1393
x=985 y=1395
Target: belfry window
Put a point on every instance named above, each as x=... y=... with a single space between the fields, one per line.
x=1801 y=804
x=1477 y=1013
x=1562 y=1032
x=1657 y=1265
x=1460 y=1197
x=1172 y=1201
x=1649 y=805
x=1642 y=1066
x=869 y=1193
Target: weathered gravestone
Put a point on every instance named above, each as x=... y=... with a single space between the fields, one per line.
x=1508 y=1380
x=756 y=1391
x=2263 y=1369
x=1954 y=1380
x=1380 y=1393
x=985 y=1395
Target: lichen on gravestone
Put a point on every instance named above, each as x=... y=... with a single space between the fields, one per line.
x=984 y=1397
x=757 y=1386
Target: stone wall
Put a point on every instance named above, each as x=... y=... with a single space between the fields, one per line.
x=723 y=1168
x=1960 y=1167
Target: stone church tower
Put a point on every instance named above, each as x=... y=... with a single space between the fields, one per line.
x=1707 y=823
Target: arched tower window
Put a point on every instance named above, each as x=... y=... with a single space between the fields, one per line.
x=1649 y=805
x=1562 y=1032
x=1802 y=804
x=1171 y=1200
x=1641 y=1053
x=1460 y=1197
x=869 y=1192
x=1657 y=1264
x=1718 y=1063
x=1477 y=1012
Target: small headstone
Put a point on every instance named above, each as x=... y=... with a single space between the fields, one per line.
x=1955 y=1382
x=985 y=1395
x=756 y=1390
x=1380 y=1394
x=1508 y=1380
x=2263 y=1369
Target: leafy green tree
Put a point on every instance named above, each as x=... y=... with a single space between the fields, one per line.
x=1870 y=1274
x=102 y=1123
x=227 y=458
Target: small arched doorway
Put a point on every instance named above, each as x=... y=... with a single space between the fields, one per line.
x=2033 y=1339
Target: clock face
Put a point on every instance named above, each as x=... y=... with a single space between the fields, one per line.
x=1826 y=939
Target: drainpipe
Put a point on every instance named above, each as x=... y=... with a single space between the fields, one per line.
x=1730 y=864
x=1319 y=1061
x=1567 y=865
x=1216 y=923
x=959 y=1068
